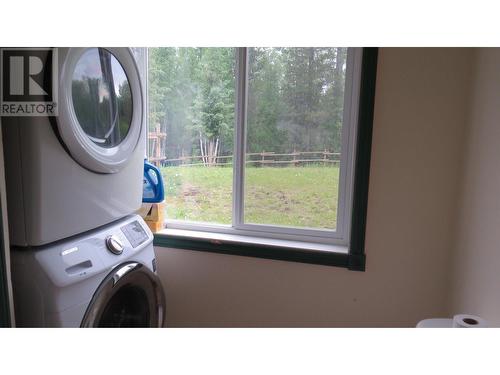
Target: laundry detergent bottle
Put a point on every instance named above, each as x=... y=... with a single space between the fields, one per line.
x=152 y=187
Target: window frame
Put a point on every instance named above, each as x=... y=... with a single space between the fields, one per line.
x=337 y=236
x=347 y=244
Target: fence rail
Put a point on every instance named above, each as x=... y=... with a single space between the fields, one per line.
x=257 y=158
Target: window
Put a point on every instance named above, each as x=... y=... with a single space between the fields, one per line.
x=262 y=143
x=192 y=102
x=295 y=137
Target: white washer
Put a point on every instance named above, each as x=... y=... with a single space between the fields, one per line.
x=83 y=168
x=103 y=278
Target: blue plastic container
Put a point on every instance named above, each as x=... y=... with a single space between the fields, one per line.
x=152 y=186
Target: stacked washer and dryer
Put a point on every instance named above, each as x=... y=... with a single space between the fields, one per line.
x=80 y=256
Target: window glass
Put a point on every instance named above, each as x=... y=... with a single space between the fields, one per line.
x=102 y=98
x=191 y=123
x=294 y=133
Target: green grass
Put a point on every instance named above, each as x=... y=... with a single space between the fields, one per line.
x=291 y=196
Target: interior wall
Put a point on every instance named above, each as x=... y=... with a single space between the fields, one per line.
x=420 y=117
x=476 y=278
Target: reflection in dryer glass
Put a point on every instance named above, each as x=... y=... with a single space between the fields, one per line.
x=102 y=98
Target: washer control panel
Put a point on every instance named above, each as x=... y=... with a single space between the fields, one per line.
x=114 y=244
x=93 y=252
x=135 y=233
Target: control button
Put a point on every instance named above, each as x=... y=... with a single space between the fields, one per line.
x=114 y=244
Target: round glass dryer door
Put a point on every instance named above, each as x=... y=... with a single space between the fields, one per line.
x=100 y=118
x=102 y=98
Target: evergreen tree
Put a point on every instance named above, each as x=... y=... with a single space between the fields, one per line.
x=295 y=99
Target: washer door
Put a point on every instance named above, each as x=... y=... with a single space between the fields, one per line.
x=130 y=296
x=101 y=106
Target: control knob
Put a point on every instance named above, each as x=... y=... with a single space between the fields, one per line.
x=114 y=244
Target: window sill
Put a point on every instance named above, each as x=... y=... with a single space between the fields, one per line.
x=286 y=250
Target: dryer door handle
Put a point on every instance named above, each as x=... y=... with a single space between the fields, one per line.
x=122 y=271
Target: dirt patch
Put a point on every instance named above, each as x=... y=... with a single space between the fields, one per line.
x=189 y=190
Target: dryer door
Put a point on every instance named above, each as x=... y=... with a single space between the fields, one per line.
x=130 y=296
x=101 y=106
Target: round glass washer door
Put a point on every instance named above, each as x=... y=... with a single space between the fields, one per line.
x=130 y=296
x=101 y=111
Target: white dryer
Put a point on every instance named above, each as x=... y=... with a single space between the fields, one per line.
x=83 y=168
x=103 y=278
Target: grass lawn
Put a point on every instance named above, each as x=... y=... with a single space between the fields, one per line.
x=293 y=196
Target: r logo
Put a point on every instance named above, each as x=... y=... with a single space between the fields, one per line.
x=27 y=75
x=29 y=78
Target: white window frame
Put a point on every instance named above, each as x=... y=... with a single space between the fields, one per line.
x=339 y=236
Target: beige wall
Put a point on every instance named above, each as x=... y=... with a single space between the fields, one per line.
x=476 y=280
x=420 y=116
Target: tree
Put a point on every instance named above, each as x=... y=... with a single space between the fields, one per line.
x=295 y=99
x=333 y=100
x=305 y=81
x=212 y=112
x=265 y=105
x=191 y=94
x=211 y=119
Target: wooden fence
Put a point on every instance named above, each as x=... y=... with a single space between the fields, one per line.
x=156 y=145
x=263 y=158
